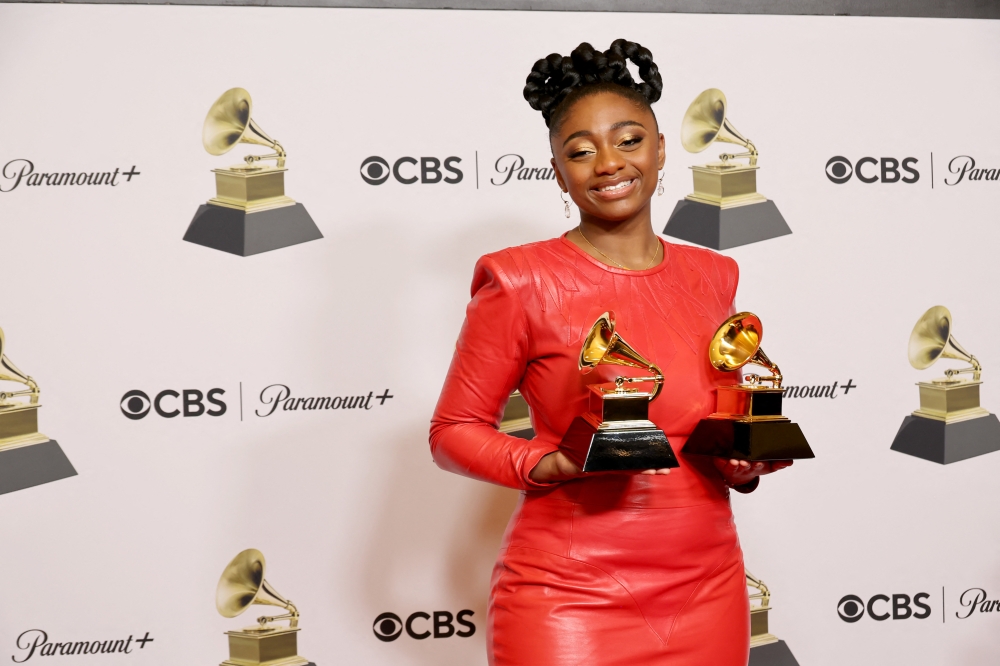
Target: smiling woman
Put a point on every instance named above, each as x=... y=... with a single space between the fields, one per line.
x=601 y=568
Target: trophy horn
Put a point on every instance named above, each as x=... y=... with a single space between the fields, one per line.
x=242 y=585
x=10 y=373
x=604 y=346
x=705 y=122
x=737 y=343
x=931 y=339
x=229 y=122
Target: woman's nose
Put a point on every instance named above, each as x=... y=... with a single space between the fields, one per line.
x=608 y=162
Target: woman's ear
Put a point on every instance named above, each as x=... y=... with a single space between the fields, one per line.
x=559 y=178
x=661 y=151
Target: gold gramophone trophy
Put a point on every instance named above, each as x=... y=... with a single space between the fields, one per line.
x=725 y=210
x=615 y=433
x=950 y=425
x=250 y=213
x=766 y=649
x=27 y=457
x=747 y=423
x=242 y=585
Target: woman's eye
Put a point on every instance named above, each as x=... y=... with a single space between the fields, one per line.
x=630 y=141
x=579 y=153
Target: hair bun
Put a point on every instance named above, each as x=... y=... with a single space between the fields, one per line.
x=552 y=79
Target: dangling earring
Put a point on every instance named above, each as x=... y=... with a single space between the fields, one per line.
x=566 y=209
x=659 y=189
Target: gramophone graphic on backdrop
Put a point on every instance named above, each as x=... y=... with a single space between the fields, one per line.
x=766 y=649
x=725 y=209
x=950 y=425
x=250 y=213
x=242 y=585
x=27 y=457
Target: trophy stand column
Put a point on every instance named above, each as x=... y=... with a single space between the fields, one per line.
x=27 y=457
x=725 y=209
x=251 y=214
x=950 y=425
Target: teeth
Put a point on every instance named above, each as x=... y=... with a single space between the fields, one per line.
x=612 y=188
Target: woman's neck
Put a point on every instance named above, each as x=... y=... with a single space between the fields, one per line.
x=627 y=244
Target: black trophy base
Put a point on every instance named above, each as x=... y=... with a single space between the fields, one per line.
x=617 y=450
x=243 y=233
x=722 y=228
x=32 y=465
x=772 y=654
x=946 y=443
x=755 y=440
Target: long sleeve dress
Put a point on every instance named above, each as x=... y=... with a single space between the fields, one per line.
x=613 y=568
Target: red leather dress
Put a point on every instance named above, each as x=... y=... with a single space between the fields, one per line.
x=612 y=568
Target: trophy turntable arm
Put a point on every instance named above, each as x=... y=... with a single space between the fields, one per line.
x=763 y=593
x=761 y=359
x=278 y=155
x=32 y=385
x=656 y=379
x=292 y=616
x=751 y=153
x=976 y=370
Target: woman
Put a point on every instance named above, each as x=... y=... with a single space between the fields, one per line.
x=617 y=568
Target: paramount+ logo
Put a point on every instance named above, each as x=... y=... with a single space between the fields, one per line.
x=839 y=170
x=881 y=607
x=420 y=625
x=376 y=170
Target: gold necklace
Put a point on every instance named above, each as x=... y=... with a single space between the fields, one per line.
x=656 y=252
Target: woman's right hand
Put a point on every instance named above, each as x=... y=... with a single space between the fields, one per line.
x=557 y=466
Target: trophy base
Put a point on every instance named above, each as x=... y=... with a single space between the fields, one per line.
x=946 y=443
x=617 y=450
x=748 y=440
x=247 y=233
x=31 y=465
x=722 y=228
x=772 y=654
x=264 y=648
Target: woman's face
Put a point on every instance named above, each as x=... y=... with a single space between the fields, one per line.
x=607 y=155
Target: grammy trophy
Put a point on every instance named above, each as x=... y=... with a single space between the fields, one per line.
x=950 y=425
x=27 y=457
x=725 y=209
x=250 y=213
x=615 y=433
x=766 y=649
x=747 y=423
x=242 y=585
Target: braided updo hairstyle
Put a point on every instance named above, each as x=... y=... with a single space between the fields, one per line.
x=556 y=82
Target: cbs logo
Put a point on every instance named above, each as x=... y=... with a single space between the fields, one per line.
x=376 y=170
x=870 y=170
x=388 y=626
x=135 y=405
x=880 y=607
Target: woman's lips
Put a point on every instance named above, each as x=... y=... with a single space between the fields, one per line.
x=618 y=190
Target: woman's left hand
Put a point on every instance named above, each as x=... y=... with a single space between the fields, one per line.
x=740 y=472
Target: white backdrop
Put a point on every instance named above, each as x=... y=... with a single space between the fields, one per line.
x=101 y=296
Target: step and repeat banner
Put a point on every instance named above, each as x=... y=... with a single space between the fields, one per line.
x=234 y=362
